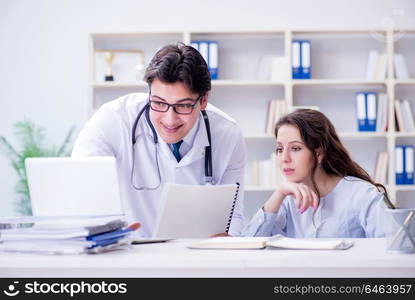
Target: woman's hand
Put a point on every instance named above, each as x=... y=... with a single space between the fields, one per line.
x=303 y=194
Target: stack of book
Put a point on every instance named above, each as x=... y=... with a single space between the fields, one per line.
x=276 y=109
x=404 y=116
x=377 y=66
x=64 y=235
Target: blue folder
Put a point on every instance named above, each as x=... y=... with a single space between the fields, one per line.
x=400 y=164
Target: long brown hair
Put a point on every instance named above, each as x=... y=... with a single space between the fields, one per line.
x=318 y=132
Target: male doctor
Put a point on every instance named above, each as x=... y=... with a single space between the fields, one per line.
x=163 y=136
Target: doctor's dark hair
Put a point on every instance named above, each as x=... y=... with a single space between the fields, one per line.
x=317 y=132
x=180 y=63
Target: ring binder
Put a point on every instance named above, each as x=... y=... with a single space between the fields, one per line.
x=233 y=207
x=209 y=209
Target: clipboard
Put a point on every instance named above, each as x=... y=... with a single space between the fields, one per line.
x=195 y=211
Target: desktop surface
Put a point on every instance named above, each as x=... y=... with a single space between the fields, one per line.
x=367 y=258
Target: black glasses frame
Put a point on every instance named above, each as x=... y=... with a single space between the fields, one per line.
x=175 y=106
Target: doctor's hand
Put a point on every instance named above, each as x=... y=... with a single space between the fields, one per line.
x=304 y=195
x=219 y=234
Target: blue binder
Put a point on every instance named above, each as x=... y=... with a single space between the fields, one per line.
x=371 y=111
x=361 y=111
x=213 y=59
x=296 y=59
x=399 y=164
x=409 y=164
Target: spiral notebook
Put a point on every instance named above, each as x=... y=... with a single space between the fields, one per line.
x=195 y=211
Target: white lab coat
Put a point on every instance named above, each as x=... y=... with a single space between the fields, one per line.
x=108 y=133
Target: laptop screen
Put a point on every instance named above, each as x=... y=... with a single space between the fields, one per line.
x=67 y=186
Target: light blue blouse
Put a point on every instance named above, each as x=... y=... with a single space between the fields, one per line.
x=353 y=209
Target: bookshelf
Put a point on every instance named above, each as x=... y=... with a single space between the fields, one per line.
x=339 y=59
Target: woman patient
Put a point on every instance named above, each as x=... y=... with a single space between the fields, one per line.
x=326 y=194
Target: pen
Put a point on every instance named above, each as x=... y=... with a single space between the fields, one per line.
x=114 y=234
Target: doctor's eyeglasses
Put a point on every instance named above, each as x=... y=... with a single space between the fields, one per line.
x=179 y=108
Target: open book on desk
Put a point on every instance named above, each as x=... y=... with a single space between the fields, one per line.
x=277 y=241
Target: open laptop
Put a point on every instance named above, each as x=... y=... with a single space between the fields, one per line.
x=67 y=186
x=76 y=187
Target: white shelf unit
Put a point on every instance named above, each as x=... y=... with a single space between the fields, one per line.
x=339 y=60
x=404 y=43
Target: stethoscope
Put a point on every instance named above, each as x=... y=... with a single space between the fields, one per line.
x=208 y=179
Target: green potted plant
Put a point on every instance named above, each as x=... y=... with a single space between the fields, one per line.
x=32 y=139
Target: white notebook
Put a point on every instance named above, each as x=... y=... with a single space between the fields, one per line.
x=195 y=211
x=277 y=241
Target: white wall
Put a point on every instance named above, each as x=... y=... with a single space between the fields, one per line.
x=44 y=54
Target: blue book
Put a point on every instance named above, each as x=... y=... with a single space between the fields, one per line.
x=305 y=60
x=409 y=164
x=296 y=60
x=399 y=164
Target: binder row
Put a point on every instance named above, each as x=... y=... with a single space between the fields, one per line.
x=210 y=52
x=404 y=164
x=233 y=207
x=371 y=111
x=301 y=59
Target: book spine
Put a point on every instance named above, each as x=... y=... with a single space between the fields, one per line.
x=306 y=59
